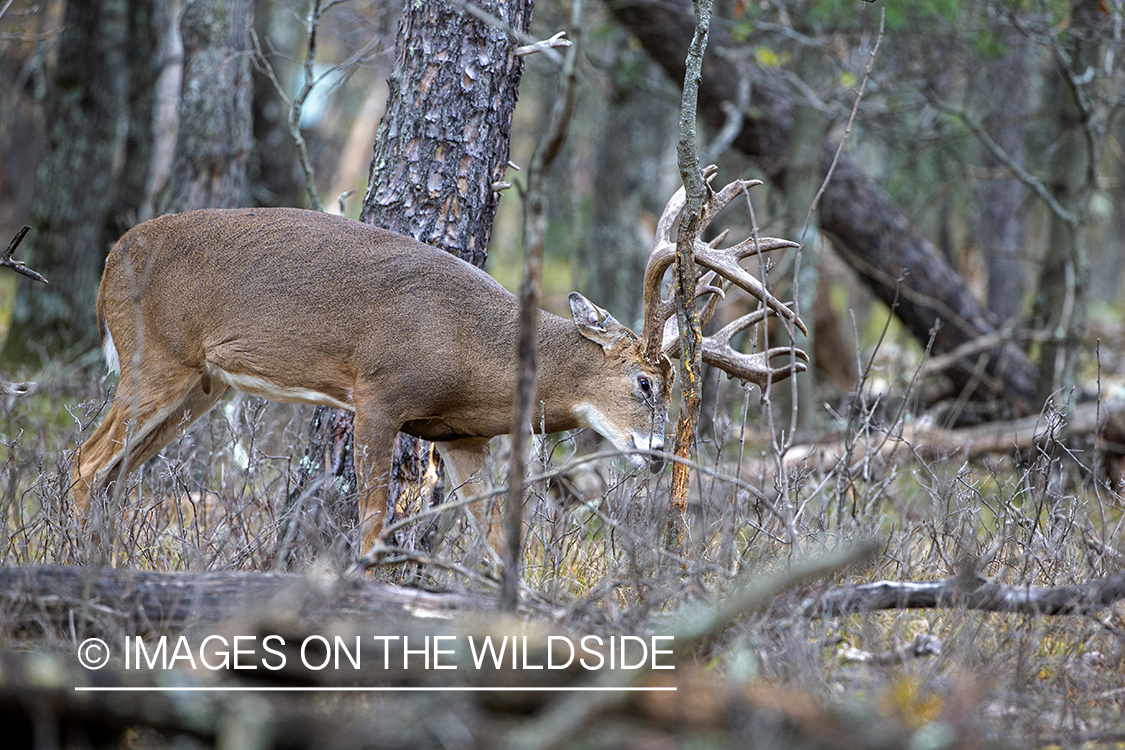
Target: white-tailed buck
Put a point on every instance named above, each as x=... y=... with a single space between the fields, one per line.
x=300 y=306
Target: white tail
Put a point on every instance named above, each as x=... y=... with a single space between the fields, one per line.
x=299 y=306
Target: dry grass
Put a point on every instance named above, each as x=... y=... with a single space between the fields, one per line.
x=221 y=497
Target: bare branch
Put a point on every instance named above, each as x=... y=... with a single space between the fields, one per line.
x=1029 y=180
x=513 y=33
x=535 y=231
x=555 y=41
x=16 y=389
x=18 y=265
x=971 y=593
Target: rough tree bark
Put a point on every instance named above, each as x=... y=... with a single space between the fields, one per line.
x=215 y=136
x=441 y=147
x=690 y=365
x=866 y=228
x=95 y=178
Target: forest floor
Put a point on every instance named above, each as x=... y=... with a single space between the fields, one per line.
x=221 y=499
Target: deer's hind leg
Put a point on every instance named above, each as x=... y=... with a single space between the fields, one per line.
x=146 y=415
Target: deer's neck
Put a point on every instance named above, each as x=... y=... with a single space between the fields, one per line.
x=567 y=374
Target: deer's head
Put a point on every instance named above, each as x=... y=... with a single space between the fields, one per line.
x=632 y=408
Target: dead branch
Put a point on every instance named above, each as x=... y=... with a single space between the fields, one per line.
x=535 y=233
x=45 y=696
x=971 y=593
x=569 y=716
x=18 y=265
x=555 y=41
x=16 y=389
x=928 y=442
x=54 y=595
x=923 y=645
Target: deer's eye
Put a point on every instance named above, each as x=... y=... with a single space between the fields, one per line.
x=646 y=386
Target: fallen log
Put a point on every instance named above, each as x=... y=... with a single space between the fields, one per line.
x=111 y=600
x=927 y=442
x=969 y=592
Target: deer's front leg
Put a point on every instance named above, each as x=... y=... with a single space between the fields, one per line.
x=464 y=460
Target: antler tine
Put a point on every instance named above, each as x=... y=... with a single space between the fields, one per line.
x=749 y=249
x=751 y=368
x=669 y=217
x=656 y=309
x=726 y=265
x=717 y=351
x=719 y=262
x=724 y=261
x=717 y=201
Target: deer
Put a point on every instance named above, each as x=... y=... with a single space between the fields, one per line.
x=306 y=307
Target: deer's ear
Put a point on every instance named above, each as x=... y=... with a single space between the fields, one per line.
x=598 y=325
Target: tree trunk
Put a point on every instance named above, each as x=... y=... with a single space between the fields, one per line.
x=214 y=143
x=803 y=176
x=276 y=175
x=1060 y=303
x=443 y=141
x=98 y=170
x=1001 y=195
x=870 y=232
x=71 y=218
x=441 y=146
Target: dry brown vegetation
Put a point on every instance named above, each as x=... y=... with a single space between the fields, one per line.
x=220 y=500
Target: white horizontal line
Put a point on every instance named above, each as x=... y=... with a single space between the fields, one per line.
x=363 y=689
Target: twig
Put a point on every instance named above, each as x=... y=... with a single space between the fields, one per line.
x=297 y=103
x=16 y=389
x=851 y=121
x=535 y=231
x=18 y=265
x=735 y=112
x=567 y=717
x=513 y=33
x=687 y=316
x=1029 y=180
x=343 y=197
x=555 y=41
x=390 y=555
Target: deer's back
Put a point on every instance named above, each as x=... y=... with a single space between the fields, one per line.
x=267 y=284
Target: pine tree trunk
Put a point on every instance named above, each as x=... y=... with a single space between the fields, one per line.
x=441 y=146
x=214 y=143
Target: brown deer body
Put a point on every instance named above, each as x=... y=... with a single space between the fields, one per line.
x=300 y=306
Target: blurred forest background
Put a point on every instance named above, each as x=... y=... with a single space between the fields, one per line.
x=960 y=274
x=993 y=129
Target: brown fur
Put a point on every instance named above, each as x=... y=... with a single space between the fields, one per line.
x=303 y=306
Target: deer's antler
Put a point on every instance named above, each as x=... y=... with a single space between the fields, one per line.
x=719 y=266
